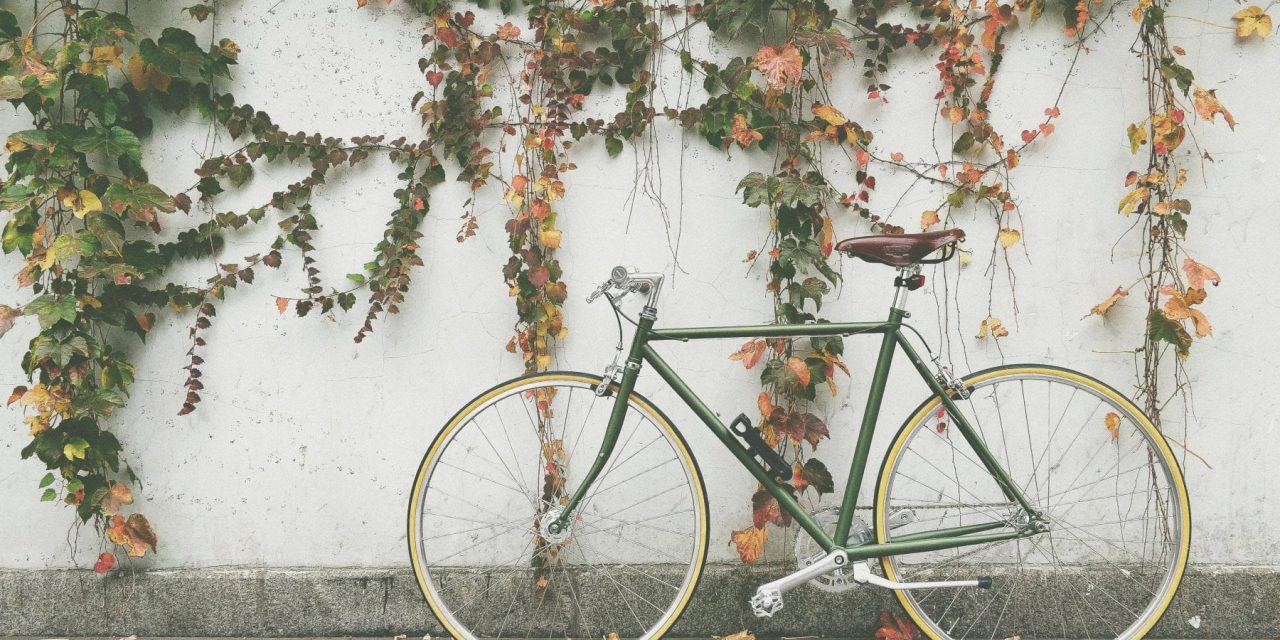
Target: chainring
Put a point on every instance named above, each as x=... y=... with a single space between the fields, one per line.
x=808 y=551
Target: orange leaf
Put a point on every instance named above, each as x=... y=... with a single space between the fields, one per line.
x=781 y=68
x=750 y=353
x=1197 y=274
x=1103 y=307
x=1208 y=107
x=508 y=31
x=117 y=496
x=17 y=394
x=1112 y=421
x=282 y=304
x=742 y=132
x=750 y=543
x=765 y=405
x=896 y=156
x=134 y=533
x=799 y=369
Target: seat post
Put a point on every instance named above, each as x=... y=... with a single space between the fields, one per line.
x=908 y=280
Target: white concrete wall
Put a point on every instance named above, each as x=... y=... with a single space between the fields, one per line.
x=304 y=448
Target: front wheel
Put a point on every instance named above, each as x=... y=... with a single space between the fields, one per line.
x=1085 y=457
x=498 y=475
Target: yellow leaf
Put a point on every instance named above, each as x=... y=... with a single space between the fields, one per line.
x=750 y=543
x=828 y=113
x=994 y=326
x=550 y=238
x=1009 y=237
x=1132 y=199
x=1137 y=135
x=741 y=635
x=1112 y=421
x=928 y=219
x=1208 y=107
x=83 y=203
x=1252 y=20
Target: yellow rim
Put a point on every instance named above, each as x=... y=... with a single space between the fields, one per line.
x=700 y=500
x=900 y=440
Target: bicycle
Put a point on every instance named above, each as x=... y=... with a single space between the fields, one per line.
x=1022 y=500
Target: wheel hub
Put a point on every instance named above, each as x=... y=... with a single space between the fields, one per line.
x=549 y=531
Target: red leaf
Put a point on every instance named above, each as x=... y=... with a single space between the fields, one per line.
x=539 y=277
x=435 y=78
x=104 y=564
x=895 y=627
x=765 y=509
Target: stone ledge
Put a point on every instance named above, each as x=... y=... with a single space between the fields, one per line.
x=1230 y=602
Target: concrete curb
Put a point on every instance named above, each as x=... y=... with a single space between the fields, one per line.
x=1225 y=602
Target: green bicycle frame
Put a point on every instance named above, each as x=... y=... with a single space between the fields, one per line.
x=892 y=340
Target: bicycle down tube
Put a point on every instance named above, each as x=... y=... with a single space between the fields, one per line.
x=892 y=340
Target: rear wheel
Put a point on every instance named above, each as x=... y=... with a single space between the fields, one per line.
x=1089 y=460
x=498 y=475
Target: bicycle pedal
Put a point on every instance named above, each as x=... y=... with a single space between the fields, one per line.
x=766 y=603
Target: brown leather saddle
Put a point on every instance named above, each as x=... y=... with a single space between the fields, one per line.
x=902 y=250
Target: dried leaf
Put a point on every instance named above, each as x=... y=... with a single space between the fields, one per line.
x=1009 y=237
x=895 y=627
x=1103 y=307
x=133 y=533
x=8 y=316
x=1208 y=106
x=1197 y=274
x=750 y=353
x=117 y=496
x=781 y=68
x=750 y=543
x=928 y=219
x=828 y=114
x=993 y=326
x=742 y=133
x=1112 y=421
x=282 y=304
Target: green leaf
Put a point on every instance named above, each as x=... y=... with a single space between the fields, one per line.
x=963 y=143
x=114 y=142
x=49 y=495
x=757 y=189
x=613 y=146
x=46 y=480
x=51 y=309
x=818 y=477
x=1160 y=328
